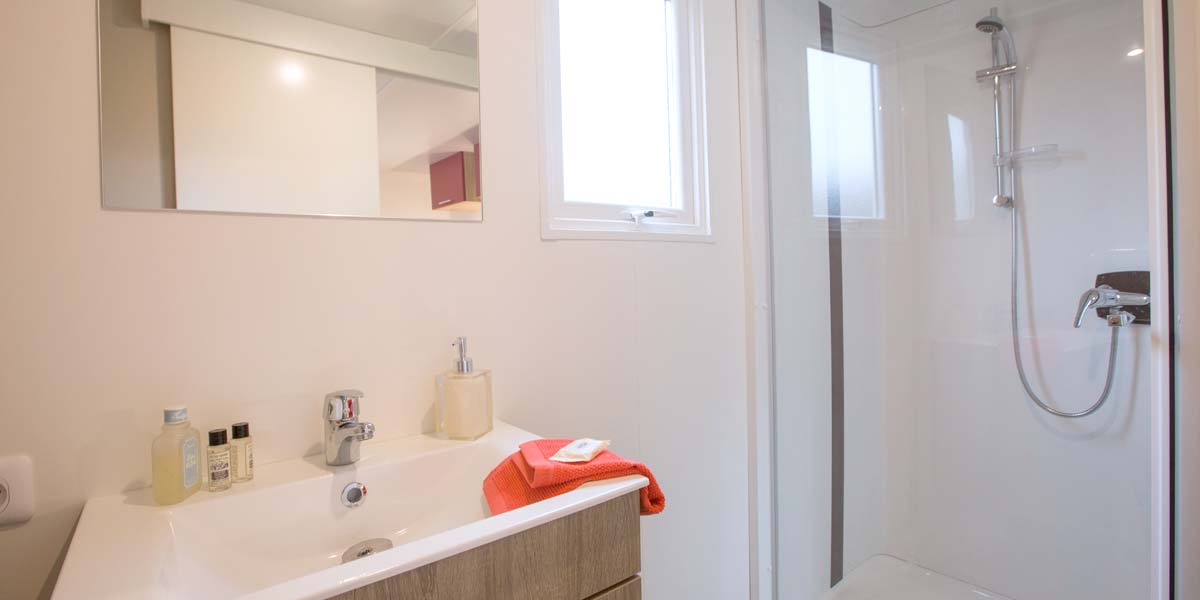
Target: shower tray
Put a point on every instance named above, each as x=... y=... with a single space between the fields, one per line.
x=888 y=578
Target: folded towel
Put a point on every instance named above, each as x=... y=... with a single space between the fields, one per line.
x=530 y=476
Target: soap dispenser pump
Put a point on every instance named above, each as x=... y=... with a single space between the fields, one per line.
x=464 y=406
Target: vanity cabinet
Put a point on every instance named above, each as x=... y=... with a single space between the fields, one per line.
x=594 y=554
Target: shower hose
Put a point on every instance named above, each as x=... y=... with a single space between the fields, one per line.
x=1112 y=348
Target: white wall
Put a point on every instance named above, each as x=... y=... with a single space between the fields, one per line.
x=419 y=118
x=108 y=316
x=948 y=463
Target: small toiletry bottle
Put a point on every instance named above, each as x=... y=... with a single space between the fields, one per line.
x=241 y=453
x=464 y=408
x=218 y=461
x=175 y=458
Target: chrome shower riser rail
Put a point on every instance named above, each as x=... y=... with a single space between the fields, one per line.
x=997 y=88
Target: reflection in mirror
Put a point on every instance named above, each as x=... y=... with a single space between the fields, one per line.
x=362 y=108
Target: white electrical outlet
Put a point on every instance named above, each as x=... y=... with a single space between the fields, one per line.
x=16 y=489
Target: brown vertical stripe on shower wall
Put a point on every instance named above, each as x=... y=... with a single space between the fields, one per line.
x=837 y=361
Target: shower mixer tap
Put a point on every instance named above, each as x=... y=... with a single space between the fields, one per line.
x=1105 y=296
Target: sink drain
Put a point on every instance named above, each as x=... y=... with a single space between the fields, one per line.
x=364 y=549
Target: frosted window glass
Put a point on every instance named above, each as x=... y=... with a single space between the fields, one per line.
x=615 y=82
x=843 y=129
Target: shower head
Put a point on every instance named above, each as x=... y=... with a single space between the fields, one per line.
x=990 y=24
x=1004 y=51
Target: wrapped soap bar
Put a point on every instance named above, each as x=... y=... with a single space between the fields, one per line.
x=581 y=450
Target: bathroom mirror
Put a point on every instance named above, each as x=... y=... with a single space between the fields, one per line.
x=350 y=108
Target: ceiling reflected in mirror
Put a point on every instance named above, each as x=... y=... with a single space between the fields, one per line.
x=447 y=25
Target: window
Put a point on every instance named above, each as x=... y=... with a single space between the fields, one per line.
x=844 y=131
x=623 y=124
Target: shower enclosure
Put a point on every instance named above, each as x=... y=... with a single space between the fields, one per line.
x=957 y=207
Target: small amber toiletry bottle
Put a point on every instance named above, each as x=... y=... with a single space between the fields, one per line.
x=464 y=407
x=241 y=453
x=218 y=461
x=175 y=458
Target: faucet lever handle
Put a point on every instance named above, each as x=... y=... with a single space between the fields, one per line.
x=1089 y=299
x=344 y=405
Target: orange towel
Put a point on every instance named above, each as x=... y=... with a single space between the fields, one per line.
x=530 y=476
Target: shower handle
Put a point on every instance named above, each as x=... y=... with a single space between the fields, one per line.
x=1105 y=296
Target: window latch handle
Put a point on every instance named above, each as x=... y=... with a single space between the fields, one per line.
x=636 y=215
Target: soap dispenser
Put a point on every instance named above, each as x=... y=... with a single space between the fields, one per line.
x=464 y=406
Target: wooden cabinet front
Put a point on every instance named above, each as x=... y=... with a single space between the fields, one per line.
x=591 y=554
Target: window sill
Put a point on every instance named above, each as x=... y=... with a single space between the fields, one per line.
x=595 y=229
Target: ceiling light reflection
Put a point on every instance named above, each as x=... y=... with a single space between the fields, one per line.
x=292 y=73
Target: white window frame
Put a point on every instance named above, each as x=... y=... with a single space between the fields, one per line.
x=575 y=220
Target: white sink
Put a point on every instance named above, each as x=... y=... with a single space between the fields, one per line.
x=283 y=535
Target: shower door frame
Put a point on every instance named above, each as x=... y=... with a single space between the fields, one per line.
x=1184 y=88
x=760 y=325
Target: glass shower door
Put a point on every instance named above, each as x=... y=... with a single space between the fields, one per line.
x=908 y=453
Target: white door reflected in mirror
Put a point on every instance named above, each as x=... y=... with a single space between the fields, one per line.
x=291 y=107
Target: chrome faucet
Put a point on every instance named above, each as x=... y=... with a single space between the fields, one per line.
x=343 y=431
x=1107 y=297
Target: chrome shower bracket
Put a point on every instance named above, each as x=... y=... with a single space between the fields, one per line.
x=997 y=71
x=1119 y=318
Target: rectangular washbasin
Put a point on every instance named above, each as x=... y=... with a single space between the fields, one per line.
x=284 y=534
